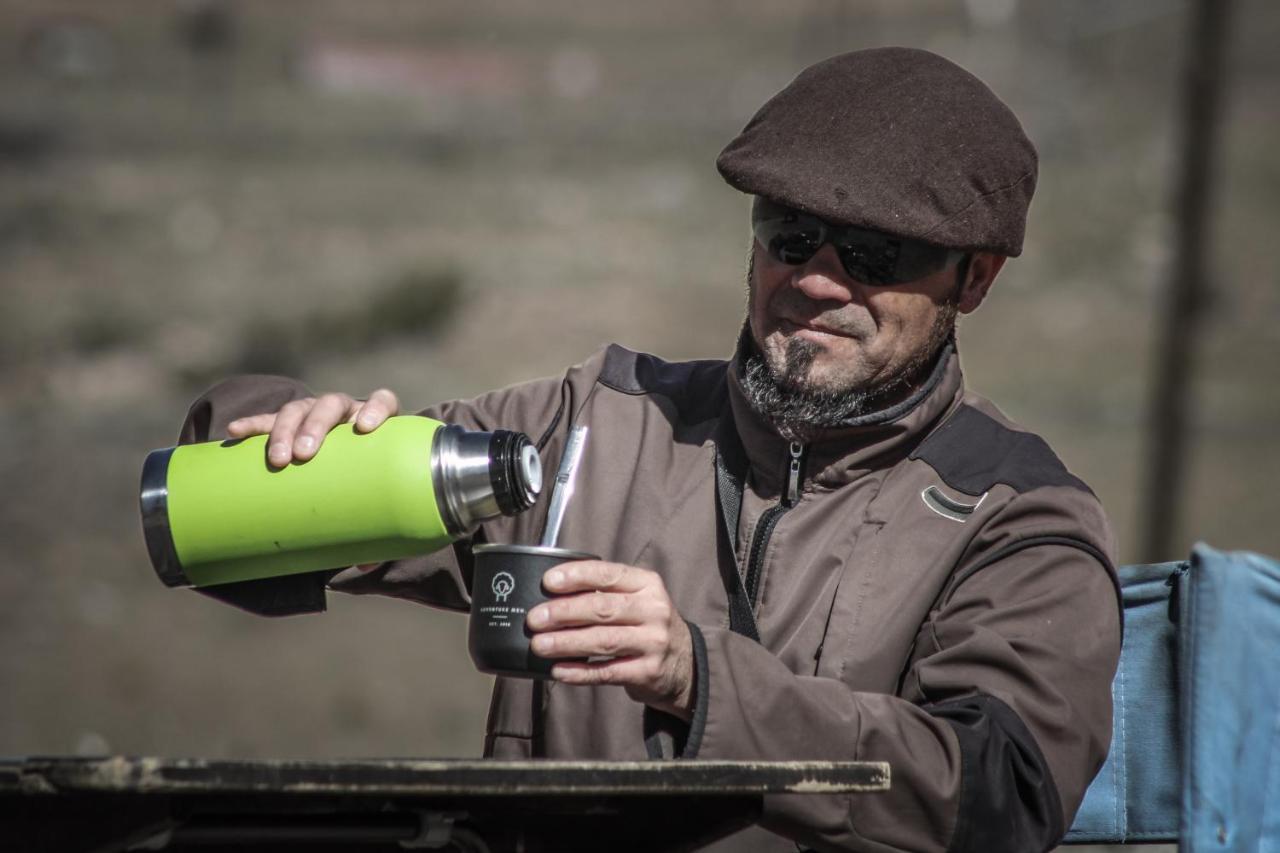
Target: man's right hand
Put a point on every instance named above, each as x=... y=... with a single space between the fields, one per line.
x=296 y=432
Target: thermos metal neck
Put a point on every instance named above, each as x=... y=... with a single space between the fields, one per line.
x=482 y=475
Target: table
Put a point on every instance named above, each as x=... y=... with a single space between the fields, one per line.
x=121 y=803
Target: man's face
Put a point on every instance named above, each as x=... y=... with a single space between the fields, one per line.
x=821 y=330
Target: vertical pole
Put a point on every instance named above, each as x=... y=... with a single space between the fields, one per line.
x=1176 y=339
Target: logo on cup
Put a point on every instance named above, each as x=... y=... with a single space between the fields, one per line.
x=503 y=584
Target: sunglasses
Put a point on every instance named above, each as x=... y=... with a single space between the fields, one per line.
x=871 y=257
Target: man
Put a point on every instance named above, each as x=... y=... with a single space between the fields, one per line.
x=824 y=548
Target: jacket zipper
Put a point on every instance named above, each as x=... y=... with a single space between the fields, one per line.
x=769 y=520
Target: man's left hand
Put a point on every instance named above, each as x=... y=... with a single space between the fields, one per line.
x=623 y=613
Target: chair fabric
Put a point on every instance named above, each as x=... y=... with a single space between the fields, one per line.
x=1230 y=703
x=1135 y=796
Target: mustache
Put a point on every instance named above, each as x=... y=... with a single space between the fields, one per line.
x=795 y=306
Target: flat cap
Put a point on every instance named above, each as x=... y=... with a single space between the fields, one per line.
x=893 y=139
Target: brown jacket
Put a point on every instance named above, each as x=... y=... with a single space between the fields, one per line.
x=937 y=592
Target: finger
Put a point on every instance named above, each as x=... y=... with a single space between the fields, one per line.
x=251 y=425
x=352 y=575
x=581 y=575
x=609 y=641
x=640 y=671
x=381 y=405
x=328 y=411
x=591 y=608
x=280 y=441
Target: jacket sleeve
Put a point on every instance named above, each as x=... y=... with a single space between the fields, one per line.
x=1002 y=717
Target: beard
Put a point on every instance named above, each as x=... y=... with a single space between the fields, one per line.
x=785 y=396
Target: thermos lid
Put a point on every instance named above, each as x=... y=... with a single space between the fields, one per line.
x=515 y=471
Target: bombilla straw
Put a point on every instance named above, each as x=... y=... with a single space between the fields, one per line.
x=563 y=489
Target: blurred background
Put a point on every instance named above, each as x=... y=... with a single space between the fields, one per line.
x=449 y=197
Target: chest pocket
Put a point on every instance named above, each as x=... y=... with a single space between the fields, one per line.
x=899 y=567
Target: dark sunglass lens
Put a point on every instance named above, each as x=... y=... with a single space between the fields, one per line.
x=795 y=245
x=872 y=261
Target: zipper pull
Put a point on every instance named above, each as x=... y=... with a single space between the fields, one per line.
x=793 y=476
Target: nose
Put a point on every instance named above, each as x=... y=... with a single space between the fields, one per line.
x=822 y=277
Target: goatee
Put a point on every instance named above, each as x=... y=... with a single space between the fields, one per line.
x=800 y=412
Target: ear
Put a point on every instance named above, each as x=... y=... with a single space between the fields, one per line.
x=982 y=272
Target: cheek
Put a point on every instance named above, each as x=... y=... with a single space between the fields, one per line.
x=907 y=316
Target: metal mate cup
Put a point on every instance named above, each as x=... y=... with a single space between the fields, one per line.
x=506 y=585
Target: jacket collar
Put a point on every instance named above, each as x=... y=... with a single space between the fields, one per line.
x=842 y=454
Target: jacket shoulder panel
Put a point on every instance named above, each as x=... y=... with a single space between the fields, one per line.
x=697 y=388
x=972 y=451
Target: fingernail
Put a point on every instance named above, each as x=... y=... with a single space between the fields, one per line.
x=538 y=616
x=279 y=453
x=368 y=420
x=306 y=443
x=541 y=644
x=555 y=577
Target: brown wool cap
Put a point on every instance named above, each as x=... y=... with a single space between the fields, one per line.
x=893 y=139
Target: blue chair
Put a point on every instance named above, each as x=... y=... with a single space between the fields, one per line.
x=1195 y=753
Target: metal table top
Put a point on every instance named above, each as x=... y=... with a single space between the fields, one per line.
x=418 y=777
x=118 y=804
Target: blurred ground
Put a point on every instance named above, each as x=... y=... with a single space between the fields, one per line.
x=504 y=187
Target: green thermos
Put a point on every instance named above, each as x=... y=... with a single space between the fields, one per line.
x=218 y=513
